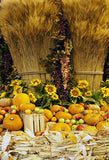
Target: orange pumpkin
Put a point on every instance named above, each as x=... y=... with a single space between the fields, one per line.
x=5 y=102
x=48 y=114
x=92 y=118
x=20 y=98
x=75 y=108
x=105 y=108
x=101 y=125
x=63 y=115
x=55 y=108
x=12 y=122
x=26 y=106
x=61 y=127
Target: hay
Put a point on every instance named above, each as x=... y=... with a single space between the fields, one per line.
x=27 y=27
x=89 y=25
x=51 y=146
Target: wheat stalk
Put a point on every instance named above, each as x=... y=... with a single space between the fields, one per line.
x=89 y=25
x=27 y=27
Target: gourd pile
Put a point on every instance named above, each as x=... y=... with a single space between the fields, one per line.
x=90 y=118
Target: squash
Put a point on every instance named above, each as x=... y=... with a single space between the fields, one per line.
x=105 y=108
x=20 y=98
x=5 y=102
x=12 y=122
x=92 y=118
x=26 y=106
x=55 y=108
x=63 y=115
x=75 y=108
x=93 y=107
x=48 y=114
x=101 y=125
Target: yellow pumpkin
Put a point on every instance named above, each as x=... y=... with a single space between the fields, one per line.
x=5 y=102
x=75 y=108
x=48 y=114
x=20 y=98
x=105 y=108
x=12 y=122
x=55 y=108
x=26 y=106
x=61 y=127
x=63 y=115
x=102 y=125
x=92 y=118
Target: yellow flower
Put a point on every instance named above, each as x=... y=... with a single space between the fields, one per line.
x=55 y=96
x=35 y=82
x=50 y=89
x=103 y=103
x=17 y=89
x=82 y=84
x=75 y=92
x=105 y=91
x=32 y=97
x=88 y=93
x=3 y=95
x=16 y=82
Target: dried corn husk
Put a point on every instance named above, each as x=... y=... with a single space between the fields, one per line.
x=48 y=146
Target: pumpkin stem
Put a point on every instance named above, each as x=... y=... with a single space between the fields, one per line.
x=12 y=118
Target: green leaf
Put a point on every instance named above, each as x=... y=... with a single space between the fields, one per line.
x=47 y=104
x=66 y=103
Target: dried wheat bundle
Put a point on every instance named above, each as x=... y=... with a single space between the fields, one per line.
x=27 y=27
x=89 y=25
x=48 y=146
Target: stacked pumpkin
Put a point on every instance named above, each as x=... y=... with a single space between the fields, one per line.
x=78 y=117
x=10 y=109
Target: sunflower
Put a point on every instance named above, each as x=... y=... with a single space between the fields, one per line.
x=82 y=84
x=32 y=97
x=55 y=96
x=103 y=103
x=3 y=95
x=35 y=82
x=17 y=89
x=88 y=93
x=16 y=82
x=75 y=92
x=105 y=91
x=50 y=89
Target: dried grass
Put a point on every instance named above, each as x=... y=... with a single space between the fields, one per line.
x=89 y=25
x=27 y=27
